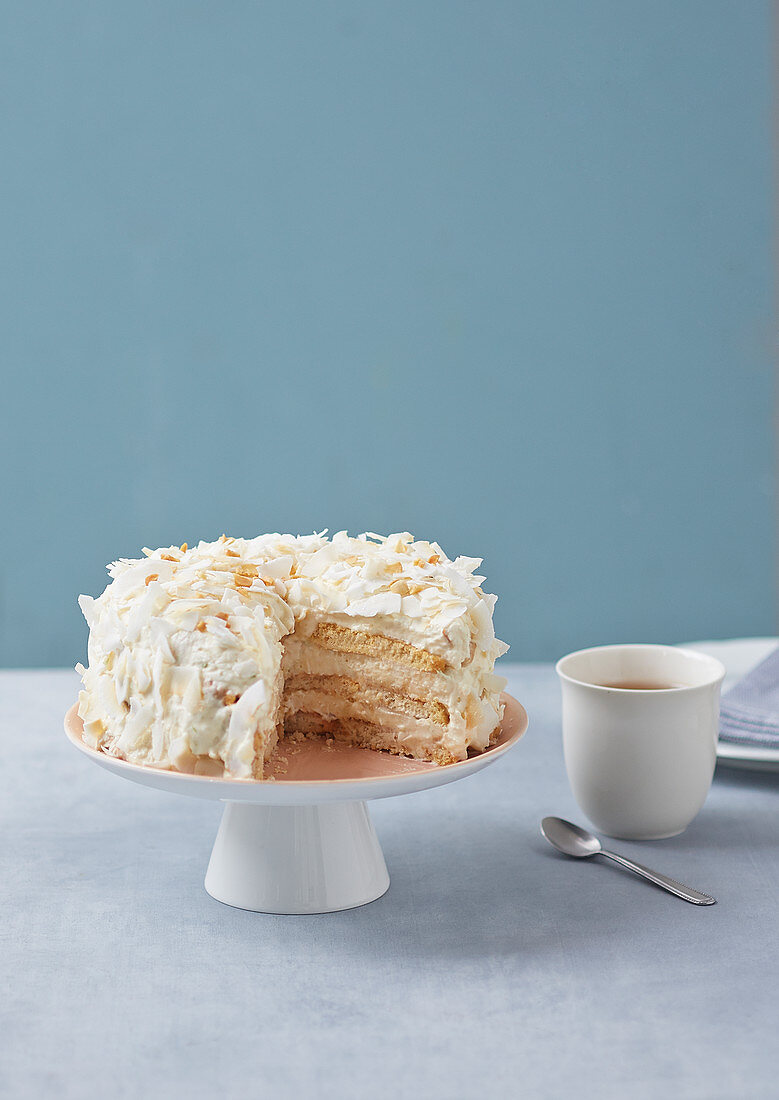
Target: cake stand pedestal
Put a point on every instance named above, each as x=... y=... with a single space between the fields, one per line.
x=296 y=859
x=303 y=841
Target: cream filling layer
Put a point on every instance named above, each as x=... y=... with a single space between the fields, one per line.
x=412 y=735
x=304 y=657
x=453 y=643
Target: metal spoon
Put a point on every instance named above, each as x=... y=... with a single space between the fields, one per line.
x=573 y=841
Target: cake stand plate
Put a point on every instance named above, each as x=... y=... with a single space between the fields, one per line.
x=301 y=840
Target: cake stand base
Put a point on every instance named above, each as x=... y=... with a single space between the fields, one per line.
x=296 y=859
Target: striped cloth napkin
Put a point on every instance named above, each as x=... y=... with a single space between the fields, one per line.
x=749 y=712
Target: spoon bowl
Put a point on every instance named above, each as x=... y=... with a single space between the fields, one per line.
x=570 y=839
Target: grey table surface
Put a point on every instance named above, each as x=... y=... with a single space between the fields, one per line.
x=492 y=967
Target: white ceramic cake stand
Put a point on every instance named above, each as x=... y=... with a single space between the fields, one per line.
x=293 y=845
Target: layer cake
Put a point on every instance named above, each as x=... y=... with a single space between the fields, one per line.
x=216 y=652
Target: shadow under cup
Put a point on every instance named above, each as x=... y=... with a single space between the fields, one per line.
x=640 y=728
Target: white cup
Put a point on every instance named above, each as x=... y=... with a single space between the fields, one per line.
x=640 y=760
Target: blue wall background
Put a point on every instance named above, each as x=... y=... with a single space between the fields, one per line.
x=496 y=273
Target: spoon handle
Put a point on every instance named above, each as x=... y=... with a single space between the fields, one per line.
x=670 y=884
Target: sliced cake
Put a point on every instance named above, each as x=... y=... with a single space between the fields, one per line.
x=214 y=653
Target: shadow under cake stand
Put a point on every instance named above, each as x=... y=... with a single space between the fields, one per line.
x=301 y=840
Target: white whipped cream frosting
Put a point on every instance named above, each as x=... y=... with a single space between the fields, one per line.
x=185 y=644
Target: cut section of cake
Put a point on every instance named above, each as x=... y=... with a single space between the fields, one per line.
x=214 y=653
